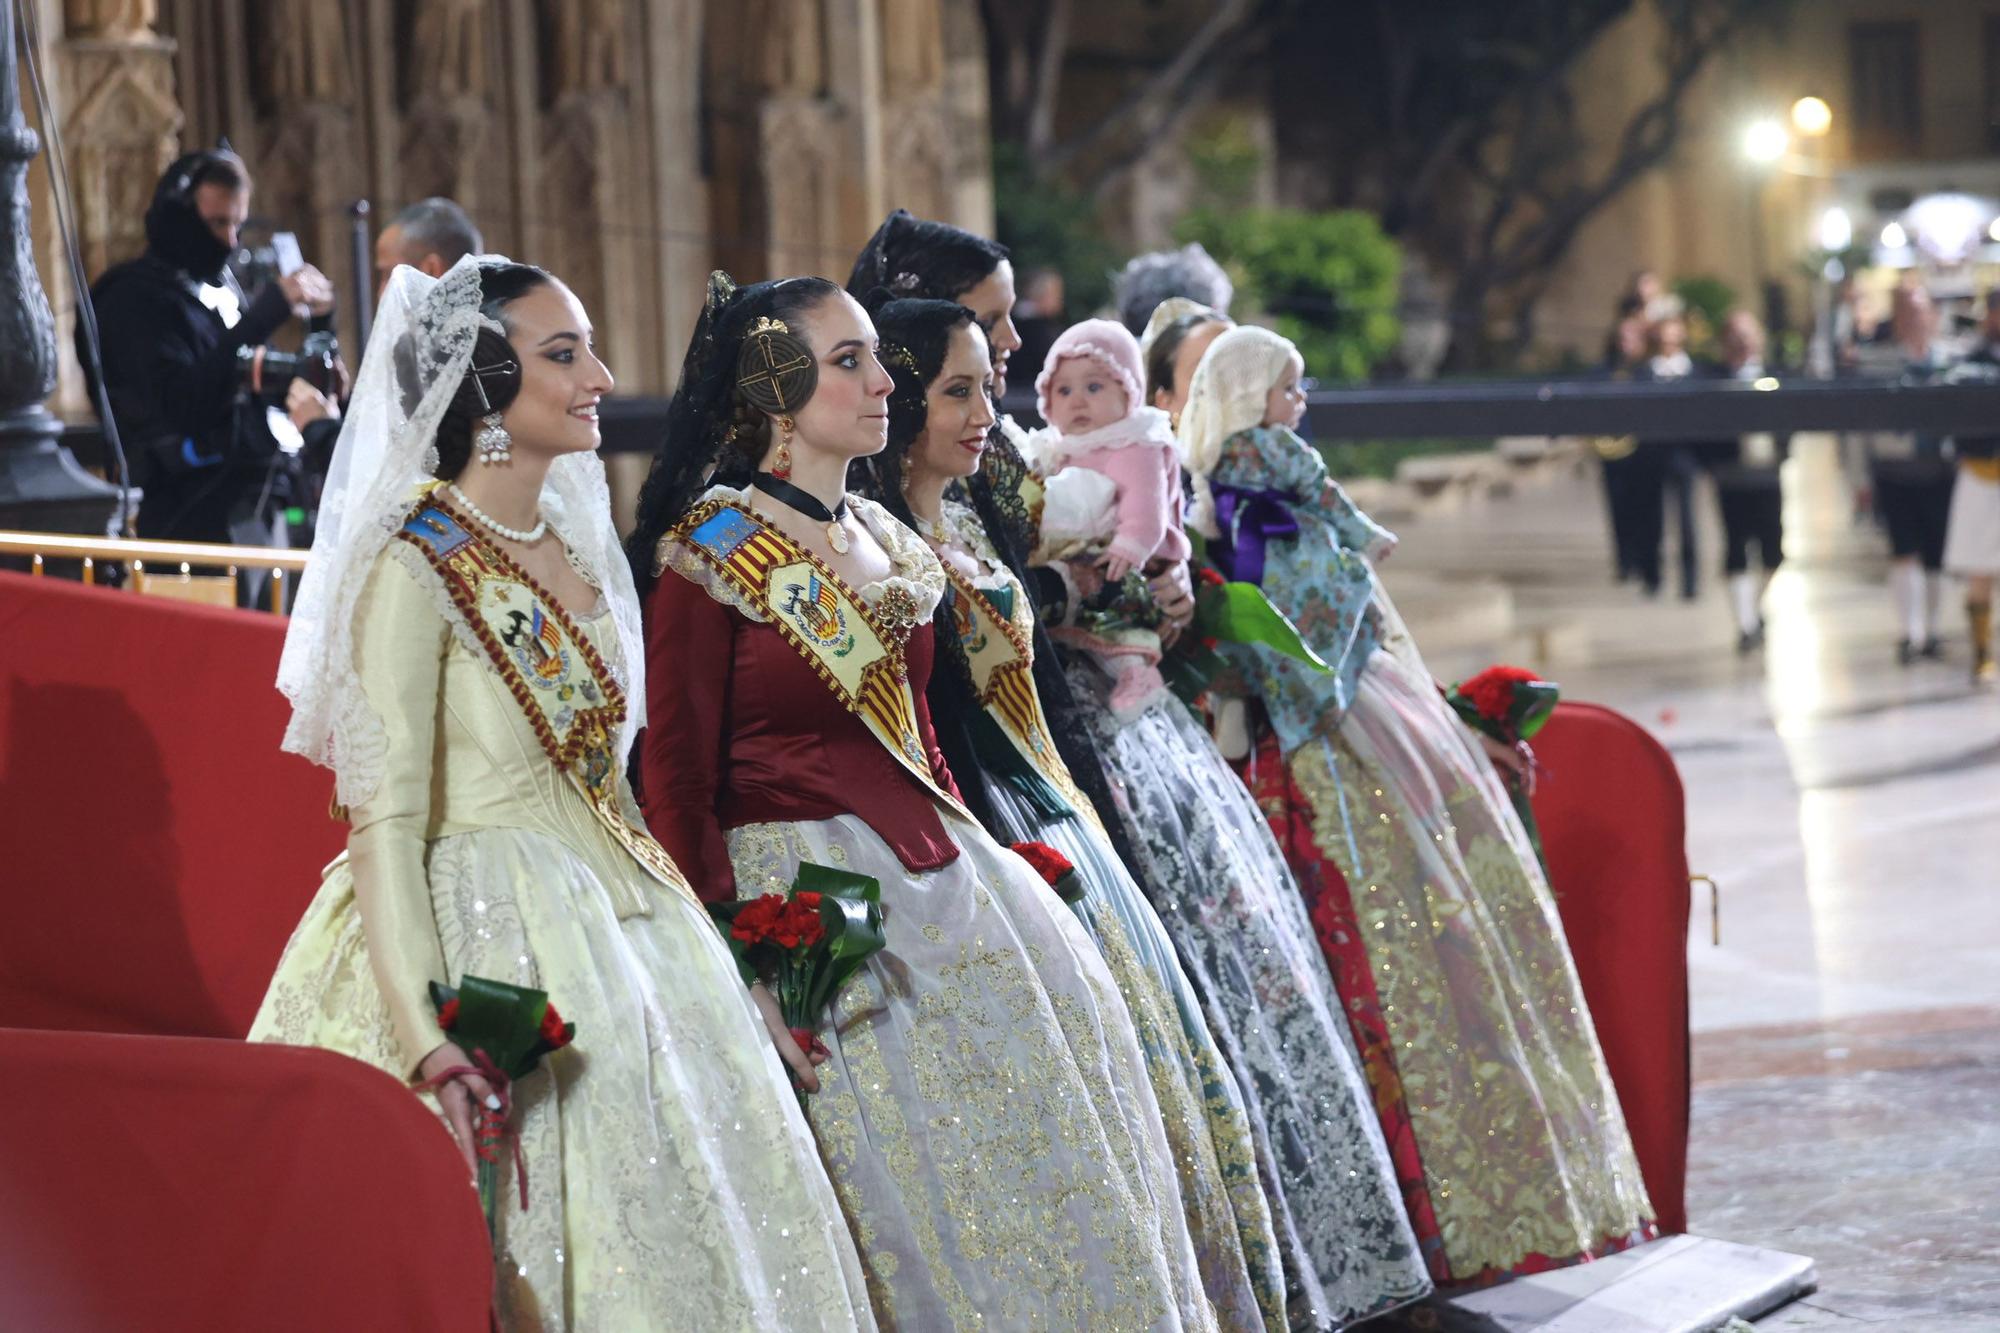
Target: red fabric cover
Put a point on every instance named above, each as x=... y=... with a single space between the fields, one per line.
x=159 y=847
x=1614 y=828
x=741 y=730
x=168 y=1184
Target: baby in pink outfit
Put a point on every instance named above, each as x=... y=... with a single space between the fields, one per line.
x=1113 y=485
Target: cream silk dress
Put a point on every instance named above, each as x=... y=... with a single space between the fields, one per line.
x=674 y=1183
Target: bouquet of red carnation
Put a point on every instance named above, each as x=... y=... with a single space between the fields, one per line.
x=1509 y=704
x=805 y=944
x=506 y=1030
x=1055 y=869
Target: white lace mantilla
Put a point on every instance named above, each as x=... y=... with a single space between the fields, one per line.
x=418 y=353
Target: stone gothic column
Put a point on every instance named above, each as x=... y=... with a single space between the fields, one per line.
x=447 y=103
x=120 y=122
x=41 y=486
x=307 y=169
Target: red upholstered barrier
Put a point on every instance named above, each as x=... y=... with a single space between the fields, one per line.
x=1614 y=827
x=158 y=846
x=169 y=1184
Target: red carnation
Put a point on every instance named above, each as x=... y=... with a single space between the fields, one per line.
x=1204 y=574
x=1054 y=868
x=758 y=921
x=1492 y=691
x=554 y=1031
x=448 y=1015
x=798 y=924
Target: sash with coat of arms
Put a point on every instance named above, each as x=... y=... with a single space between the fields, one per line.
x=1000 y=654
x=555 y=674
x=851 y=650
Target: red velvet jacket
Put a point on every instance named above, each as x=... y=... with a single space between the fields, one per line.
x=740 y=730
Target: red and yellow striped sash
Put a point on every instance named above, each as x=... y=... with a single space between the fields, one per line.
x=850 y=648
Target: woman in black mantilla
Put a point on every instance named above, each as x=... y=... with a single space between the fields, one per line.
x=1005 y=752
x=1197 y=845
x=984 y=1109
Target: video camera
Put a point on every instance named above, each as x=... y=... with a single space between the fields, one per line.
x=267 y=372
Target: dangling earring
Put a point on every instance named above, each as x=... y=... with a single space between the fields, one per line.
x=493 y=440
x=781 y=466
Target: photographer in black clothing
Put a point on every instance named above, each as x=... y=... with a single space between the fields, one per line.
x=189 y=379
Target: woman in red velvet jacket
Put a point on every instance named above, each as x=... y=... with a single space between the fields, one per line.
x=983 y=1107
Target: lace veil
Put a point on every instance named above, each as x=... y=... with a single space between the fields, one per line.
x=1226 y=396
x=418 y=352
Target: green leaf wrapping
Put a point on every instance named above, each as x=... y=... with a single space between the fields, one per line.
x=1241 y=613
x=856 y=928
x=1536 y=703
x=499 y=1018
x=815 y=878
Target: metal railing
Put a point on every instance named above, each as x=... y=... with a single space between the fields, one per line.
x=163 y=569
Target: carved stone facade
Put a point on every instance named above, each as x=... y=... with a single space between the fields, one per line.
x=629 y=145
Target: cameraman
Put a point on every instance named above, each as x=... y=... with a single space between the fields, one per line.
x=184 y=363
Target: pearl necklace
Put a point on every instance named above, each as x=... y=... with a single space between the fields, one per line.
x=526 y=536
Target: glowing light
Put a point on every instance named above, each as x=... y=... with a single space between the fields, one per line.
x=1894 y=237
x=1948 y=226
x=1764 y=384
x=1765 y=141
x=1836 y=229
x=1811 y=117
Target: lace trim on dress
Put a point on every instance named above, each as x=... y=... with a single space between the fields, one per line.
x=964 y=531
x=411 y=559
x=918 y=571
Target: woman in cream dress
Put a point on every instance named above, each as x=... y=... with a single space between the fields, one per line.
x=471 y=684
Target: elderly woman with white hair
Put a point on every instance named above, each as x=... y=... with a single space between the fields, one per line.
x=1422 y=885
x=1189 y=273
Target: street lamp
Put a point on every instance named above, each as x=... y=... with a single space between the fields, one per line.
x=1812 y=117
x=1765 y=141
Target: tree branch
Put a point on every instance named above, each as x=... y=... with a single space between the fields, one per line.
x=1191 y=99
x=1048 y=79
x=1649 y=137
x=1228 y=16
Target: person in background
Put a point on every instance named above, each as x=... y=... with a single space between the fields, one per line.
x=1152 y=278
x=1669 y=471
x=182 y=347
x=1911 y=478
x=1039 y=314
x=1178 y=333
x=1745 y=469
x=430 y=236
x=1627 y=481
x=1972 y=535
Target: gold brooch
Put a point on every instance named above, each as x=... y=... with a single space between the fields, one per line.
x=898 y=609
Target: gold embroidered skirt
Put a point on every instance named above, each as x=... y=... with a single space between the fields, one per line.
x=986 y=1115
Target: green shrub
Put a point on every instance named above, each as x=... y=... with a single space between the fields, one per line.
x=1327 y=280
x=1708 y=301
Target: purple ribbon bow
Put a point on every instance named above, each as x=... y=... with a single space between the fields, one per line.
x=1248 y=518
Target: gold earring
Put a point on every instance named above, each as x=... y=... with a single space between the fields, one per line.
x=781 y=466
